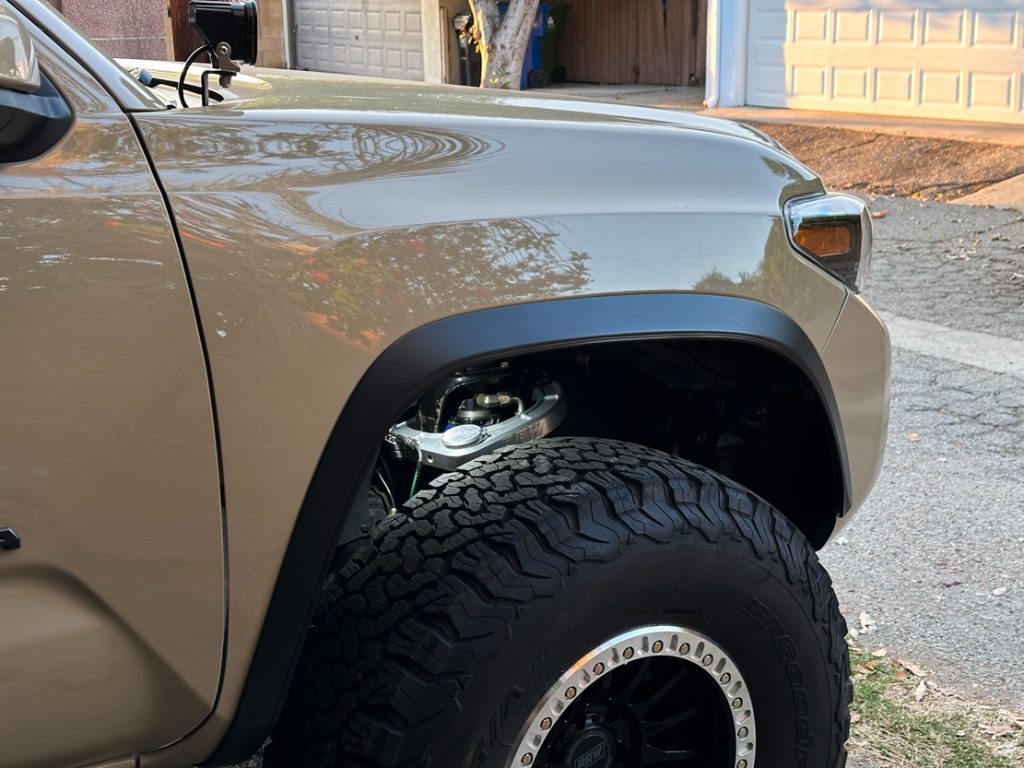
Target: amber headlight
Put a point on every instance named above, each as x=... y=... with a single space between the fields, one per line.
x=834 y=231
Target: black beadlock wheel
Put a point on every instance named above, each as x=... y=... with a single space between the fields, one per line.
x=575 y=602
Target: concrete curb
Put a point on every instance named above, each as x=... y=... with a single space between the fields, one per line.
x=1005 y=194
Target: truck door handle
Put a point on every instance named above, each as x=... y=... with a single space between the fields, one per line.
x=9 y=539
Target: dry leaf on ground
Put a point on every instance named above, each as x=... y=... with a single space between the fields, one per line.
x=913 y=669
x=997 y=730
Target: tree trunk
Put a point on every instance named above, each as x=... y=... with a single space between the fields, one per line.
x=502 y=41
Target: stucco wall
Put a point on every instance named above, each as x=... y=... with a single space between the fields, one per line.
x=126 y=28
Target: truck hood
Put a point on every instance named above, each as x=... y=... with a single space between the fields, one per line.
x=264 y=89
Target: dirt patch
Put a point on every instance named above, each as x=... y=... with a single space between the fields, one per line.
x=901 y=719
x=881 y=164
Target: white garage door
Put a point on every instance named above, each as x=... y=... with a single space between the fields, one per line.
x=381 y=38
x=924 y=59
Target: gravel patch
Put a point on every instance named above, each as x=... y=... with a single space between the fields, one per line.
x=882 y=164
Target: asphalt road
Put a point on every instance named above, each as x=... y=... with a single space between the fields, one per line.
x=936 y=555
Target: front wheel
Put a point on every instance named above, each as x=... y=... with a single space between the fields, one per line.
x=578 y=603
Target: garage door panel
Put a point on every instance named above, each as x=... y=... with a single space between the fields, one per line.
x=994 y=91
x=894 y=85
x=810 y=26
x=896 y=27
x=809 y=81
x=943 y=28
x=381 y=38
x=852 y=27
x=769 y=81
x=936 y=59
x=771 y=25
x=941 y=89
x=1000 y=29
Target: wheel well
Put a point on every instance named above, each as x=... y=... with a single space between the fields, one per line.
x=670 y=353
x=739 y=409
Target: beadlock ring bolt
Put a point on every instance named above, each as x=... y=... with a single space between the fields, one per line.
x=621 y=651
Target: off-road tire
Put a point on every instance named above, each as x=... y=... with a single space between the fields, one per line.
x=438 y=639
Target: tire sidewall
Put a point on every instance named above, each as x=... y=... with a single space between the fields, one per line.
x=747 y=606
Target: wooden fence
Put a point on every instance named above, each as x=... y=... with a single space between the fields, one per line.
x=660 y=42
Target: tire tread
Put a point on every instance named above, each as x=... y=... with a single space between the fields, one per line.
x=397 y=634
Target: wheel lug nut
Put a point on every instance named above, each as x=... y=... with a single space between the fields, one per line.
x=545 y=724
x=570 y=692
x=684 y=648
x=658 y=646
x=706 y=661
x=725 y=678
x=737 y=703
x=527 y=759
x=628 y=653
x=742 y=732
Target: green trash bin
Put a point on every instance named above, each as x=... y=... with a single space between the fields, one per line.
x=549 y=43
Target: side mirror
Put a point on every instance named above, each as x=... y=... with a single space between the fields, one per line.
x=33 y=115
x=19 y=70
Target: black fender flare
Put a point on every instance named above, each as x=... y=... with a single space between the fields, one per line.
x=420 y=358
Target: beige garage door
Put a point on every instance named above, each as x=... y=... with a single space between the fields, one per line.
x=381 y=38
x=937 y=59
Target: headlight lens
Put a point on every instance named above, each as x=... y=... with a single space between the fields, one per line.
x=834 y=231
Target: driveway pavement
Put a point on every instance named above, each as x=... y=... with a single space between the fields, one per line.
x=936 y=556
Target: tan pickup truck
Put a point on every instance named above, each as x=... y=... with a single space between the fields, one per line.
x=412 y=425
